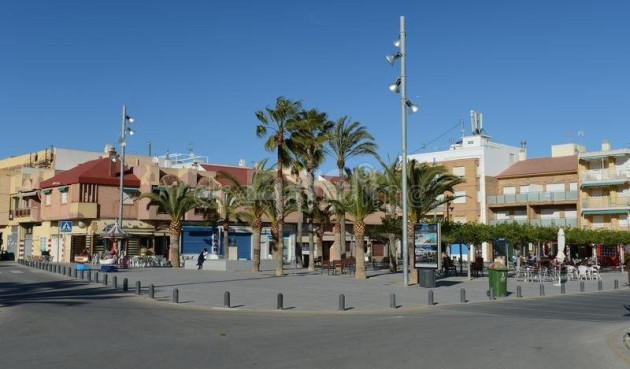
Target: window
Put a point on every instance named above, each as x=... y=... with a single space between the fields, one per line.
x=524 y=189
x=549 y=214
x=623 y=220
x=573 y=186
x=554 y=187
x=509 y=190
x=64 y=197
x=598 y=221
x=512 y=158
x=48 y=199
x=460 y=219
x=461 y=197
x=459 y=171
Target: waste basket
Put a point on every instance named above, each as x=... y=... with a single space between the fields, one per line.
x=426 y=277
x=497 y=279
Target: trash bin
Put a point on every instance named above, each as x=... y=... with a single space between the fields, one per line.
x=497 y=279
x=426 y=277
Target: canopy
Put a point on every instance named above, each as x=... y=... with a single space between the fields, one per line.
x=561 y=246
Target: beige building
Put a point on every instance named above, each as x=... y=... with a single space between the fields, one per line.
x=605 y=188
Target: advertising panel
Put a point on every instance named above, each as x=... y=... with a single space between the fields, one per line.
x=427 y=246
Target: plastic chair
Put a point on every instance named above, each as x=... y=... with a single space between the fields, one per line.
x=584 y=272
x=595 y=272
x=572 y=273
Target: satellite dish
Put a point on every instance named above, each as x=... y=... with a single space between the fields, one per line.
x=81 y=224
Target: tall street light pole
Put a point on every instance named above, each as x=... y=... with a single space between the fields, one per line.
x=401 y=86
x=122 y=142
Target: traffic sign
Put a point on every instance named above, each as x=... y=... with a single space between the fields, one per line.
x=65 y=226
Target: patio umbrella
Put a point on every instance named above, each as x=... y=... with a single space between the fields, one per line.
x=561 y=246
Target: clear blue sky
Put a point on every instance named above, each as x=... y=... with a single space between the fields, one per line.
x=193 y=73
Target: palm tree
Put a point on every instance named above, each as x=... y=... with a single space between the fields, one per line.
x=228 y=205
x=307 y=143
x=359 y=203
x=429 y=186
x=390 y=187
x=321 y=217
x=269 y=206
x=175 y=200
x=348 y=140
x=275 y=120
x=253 y=200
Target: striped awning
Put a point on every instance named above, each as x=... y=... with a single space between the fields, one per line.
x=605 y=183
x=604 y=211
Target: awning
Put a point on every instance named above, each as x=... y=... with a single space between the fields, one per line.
x=62 y=188
x=603 y=156
x=605 y=183
x=46 y=191
x=130 y=190
x=604 y=211
x=27 y=194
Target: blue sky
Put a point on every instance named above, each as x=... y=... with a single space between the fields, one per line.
x=192 y=73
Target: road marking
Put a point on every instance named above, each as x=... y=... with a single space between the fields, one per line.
x=16 y=271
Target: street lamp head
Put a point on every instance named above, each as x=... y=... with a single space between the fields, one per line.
x=391 y=58
x=397 y=43
x=395 y=87
x=130 y=131
x=129 y=118
x=413 y=108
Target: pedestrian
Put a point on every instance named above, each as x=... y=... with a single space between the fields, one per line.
x=201 y=258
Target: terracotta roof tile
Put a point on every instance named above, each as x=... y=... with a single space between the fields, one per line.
x=540 y=166
x=100 y=171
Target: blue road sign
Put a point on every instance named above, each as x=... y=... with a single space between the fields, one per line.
x=65 y=226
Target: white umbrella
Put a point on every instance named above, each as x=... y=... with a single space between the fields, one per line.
x=560 y=255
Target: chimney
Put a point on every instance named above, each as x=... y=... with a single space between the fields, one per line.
x=605 y=145
x=522 y=153
x=113 y=158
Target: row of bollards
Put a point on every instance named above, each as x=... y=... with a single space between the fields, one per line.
x=95 y=277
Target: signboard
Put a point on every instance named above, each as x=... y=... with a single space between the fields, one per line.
x=427 y=248
x=65 y=226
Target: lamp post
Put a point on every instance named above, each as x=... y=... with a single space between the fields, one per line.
x=122 y=142
x=400 y=86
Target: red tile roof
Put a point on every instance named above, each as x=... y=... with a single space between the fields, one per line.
x=100 y=171
x=542 y=166
x=243 y=175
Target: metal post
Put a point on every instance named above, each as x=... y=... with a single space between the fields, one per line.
x=114 y=282
x=175 y=295
x=122 y=143
x=151 y=291
x=280 y=302
x=563 y=288
x=403 y=112
x=616 y=284
x=462 y=295
x=600 y=285
x=125 y=284
x=542 y=290
x=138 y=289
x=226 y=299
x=581 y=286
x=105 y=277
x=491 y=294
x=519 y=292
x=342 y=302
x=430 y=300
x=392 y=300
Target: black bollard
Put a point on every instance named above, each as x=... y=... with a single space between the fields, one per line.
x=138 y=289
x=491 y=294
x=95 y=277
x=151 y=291
x=125 y=285
x=462 y=295
x=82 y=274
x=280 y=302
x=89 y=275
x=542 y=290
x=519 y=292
x=563 y=289
x=581 y=286
x=74 y=273
x=616 y=284
x=175 y=295
x=600 y=285
x=105 y=277
x=342 y=302
x=392 y=300
x=114 y=282
x=226 y=299
x=430 y=301
x=64 y=270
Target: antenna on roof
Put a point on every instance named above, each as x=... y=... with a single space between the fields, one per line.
x=476 y=120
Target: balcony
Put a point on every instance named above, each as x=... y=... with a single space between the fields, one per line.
x=604 y=177
x=532 y=197
x=79 y=210
x=543 y=222
x=26 y=215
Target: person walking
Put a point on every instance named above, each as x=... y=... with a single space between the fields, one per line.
x=201 y=258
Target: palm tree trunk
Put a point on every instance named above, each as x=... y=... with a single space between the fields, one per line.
x=391 y=253
x=310 y=200
x=256 y=256
x=360 y=253
x=279 y=214
x=342 y=217
x=173 y=251
x=298 y=242
x=226 y=241
x=413 y=272
x=337 y=243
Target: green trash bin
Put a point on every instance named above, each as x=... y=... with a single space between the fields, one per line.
x=497 y=279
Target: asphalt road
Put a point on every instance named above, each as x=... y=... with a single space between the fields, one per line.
x=47 y=321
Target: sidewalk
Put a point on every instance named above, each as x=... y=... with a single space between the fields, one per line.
x=305 y=291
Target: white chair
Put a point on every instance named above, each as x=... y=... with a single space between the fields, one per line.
x=572 y=273
x=595 y=272
x=584 y=272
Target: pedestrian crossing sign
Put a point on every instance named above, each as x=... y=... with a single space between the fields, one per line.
x=65 y=226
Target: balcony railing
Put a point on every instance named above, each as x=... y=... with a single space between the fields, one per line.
x=533 y=197
x=604 y=175
x=606 y=202
x=543 y=222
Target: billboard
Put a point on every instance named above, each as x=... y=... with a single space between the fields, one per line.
x=427 y=247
